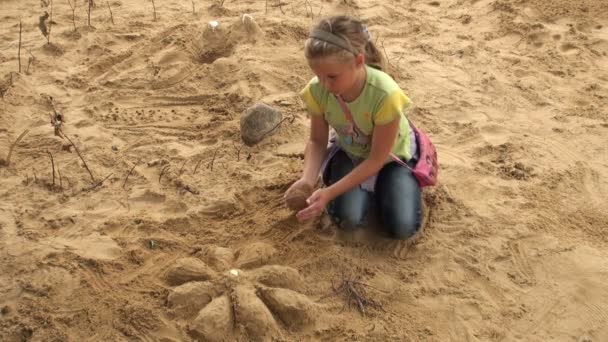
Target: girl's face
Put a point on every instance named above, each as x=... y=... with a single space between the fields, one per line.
x=336 y=75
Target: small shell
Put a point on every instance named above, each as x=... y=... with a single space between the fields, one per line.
x=213 y=25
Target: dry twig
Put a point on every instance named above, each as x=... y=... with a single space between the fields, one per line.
x=154 y=8
x=238 y=151
x=182 y=168
x=79 y=155
x=10 y=150
x=73 y=7
x=210 y=166
x=291 y=120
x=354 y=293
x=19 y=49
x=128 y=174
x=111 y=16
x=52 y=165
x=100 y=183
x=162 y=172
x=89 y=13
x=196 y=167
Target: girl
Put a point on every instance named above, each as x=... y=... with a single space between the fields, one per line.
x=358 y=168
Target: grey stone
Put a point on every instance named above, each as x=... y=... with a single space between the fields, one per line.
x=258 y=122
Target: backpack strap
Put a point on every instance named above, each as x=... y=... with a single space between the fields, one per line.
x=349 y=117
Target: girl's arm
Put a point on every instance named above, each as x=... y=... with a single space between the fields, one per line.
x=383 y=140
x=315 y=148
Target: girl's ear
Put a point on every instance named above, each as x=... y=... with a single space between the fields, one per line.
x=360 y=60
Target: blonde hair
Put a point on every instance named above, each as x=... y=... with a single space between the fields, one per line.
x=353 y=37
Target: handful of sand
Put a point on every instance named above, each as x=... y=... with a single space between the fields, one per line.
x=296 y=197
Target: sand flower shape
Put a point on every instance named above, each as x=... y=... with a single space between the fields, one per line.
x=222 y=294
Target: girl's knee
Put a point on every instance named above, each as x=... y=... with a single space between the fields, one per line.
x=403 y=228
x=347 y=219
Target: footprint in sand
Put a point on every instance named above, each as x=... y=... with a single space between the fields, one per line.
x=225 y=294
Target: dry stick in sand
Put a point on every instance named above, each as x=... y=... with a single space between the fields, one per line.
x=182 y=168
x=193 y=9
x=210 y=166
x=19 y=50
x=100 y=183
x=10 y=150
x=162 y=172
x=196 y=167
x=354 y=290
x=291 y=120
x=89 y=14
x=154 y=8
x=73 y=7
x=238 y=151
x=128 y=174
x=78 y=152
x=111 y=16
x=60 y=179
x=30 y=60
x=52 y=166
x=48 y=37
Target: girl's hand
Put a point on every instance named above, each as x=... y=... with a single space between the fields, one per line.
x=316 y=204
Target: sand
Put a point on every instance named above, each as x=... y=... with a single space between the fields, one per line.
x=181 y=232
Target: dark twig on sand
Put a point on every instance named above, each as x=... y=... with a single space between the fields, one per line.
x=179 y=173
x=354 y=292
x=52 y=165
x=162 y=172
x=210 y=166
x=291 y=119
x=196 y=167
x=10 y=150
x=79 y=155
x=128 y=174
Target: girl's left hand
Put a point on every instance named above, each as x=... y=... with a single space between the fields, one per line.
x=316 y=204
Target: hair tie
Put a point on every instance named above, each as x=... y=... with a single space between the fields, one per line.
x=368 y=36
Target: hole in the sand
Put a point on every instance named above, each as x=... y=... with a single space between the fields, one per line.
x=435 y=3
x=568 y=47
x=557 y=36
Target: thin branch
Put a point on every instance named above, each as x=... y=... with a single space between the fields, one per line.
x=80 y=155
x=238 y=151
x=48 y=38
x=154 y=8
x=89 y=14
x=73 y=7
x=128 y=174
x=52 y=165
x=19 y=50
x=210 y=166
x=196 y=167
x=193 y=9
x=291 y=120
x=60 y=179
x=182 y=168
x=162 y=172
x=110 y=9
x=30 y=60
x=100 y=183
x=10 y=150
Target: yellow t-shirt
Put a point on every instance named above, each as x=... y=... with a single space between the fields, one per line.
x=380 y=102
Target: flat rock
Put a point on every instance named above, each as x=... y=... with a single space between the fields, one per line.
x=258 y=122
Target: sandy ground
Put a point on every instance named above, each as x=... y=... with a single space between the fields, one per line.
x=197 y=242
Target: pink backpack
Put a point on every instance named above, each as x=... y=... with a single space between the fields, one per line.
x=426 y=167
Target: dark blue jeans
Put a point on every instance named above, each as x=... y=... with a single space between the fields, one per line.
x=397 y=197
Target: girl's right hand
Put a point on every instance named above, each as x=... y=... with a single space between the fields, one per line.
x=297 y=194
